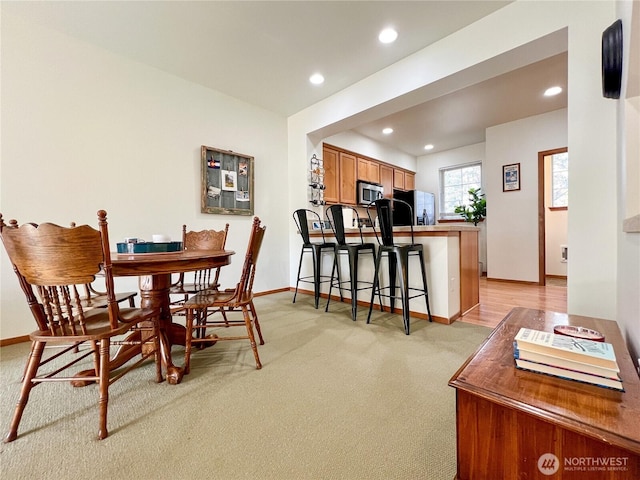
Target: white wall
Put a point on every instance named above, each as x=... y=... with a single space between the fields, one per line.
x=555 y=227
x=593 y=173
x=592 y=285
x=512 y=217
x=428 y=180
x=628 y=163
x=556 y=238
x=77 y=116
x=428 y=176
x=83 y=129
x=357 y=143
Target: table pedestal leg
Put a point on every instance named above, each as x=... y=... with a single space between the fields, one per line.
x=154 y=293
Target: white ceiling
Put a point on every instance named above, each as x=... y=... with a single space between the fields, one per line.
x=461 y=118
x=263 y=52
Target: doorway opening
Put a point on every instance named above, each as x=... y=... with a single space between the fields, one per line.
x=553 y=189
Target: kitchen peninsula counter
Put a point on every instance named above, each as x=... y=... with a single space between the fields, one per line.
x=451 y=258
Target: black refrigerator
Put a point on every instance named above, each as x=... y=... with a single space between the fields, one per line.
x=423 y=205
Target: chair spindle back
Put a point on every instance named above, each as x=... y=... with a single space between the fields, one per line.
x=204 y=240
x=245 y=286
x=51 y=262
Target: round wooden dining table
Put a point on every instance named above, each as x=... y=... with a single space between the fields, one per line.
x=154 y=271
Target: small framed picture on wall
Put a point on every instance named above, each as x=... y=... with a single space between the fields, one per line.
x=511 y=177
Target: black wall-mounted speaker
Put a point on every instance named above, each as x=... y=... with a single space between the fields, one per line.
x=612 y=60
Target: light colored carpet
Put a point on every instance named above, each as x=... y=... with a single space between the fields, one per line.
x=335 y=399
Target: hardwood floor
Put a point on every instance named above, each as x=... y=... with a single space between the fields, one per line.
x=498 y=298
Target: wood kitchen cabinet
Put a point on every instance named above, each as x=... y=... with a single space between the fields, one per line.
x=386 y=180
x=368 y=170
x=409 y=181
x=403 y=180
x=348 y=178
x=342 y=170
x=398 y=179
x=340 y=175
x=331 y=161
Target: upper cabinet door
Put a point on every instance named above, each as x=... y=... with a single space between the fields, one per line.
x=368 y=170
x=373 y=171
x=331 y=161
x=363 y=163
x=398 y=179
x=348 y=178
x=386 y=179
x=409 y=181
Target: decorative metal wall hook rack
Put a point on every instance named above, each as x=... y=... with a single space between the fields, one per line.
x=316 y=181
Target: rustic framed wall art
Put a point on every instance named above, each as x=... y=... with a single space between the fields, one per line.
x=227 y=182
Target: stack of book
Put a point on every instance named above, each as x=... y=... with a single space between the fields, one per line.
x=567 y=357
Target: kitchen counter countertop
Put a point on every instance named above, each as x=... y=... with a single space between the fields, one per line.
x=451 y=255
x=421 y=228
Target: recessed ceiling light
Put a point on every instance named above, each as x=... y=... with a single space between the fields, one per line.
x=316 y=79
x=387 y=130
x=388 y=35
x=428 y=147
x=550 y=92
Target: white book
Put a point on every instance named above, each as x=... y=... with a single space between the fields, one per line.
x=600 y=354
x=568 y=364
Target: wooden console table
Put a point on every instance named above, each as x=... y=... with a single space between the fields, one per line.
x=515 y=424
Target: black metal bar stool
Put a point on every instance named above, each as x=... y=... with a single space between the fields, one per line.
x=302 y=217
x=398 y=259
x=353 y=250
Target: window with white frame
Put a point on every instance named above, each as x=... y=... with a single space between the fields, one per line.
x=560 y=180
x=455 y=183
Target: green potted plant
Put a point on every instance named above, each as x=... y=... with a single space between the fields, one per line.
x=477 y=208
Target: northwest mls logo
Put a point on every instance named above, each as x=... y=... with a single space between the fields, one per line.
x=548 y=464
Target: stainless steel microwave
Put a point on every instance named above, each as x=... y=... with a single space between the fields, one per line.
x=369 y=192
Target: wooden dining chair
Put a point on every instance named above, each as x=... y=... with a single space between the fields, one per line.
x=51 y=262
x=207 y=279
x=199 y=307
x=96 y=296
